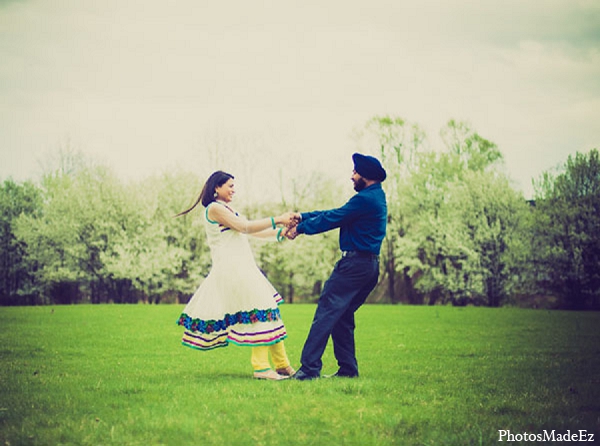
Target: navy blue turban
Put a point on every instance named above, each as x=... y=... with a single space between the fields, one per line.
x=368 y=167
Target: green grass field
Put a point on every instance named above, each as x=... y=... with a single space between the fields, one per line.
x=117 y=374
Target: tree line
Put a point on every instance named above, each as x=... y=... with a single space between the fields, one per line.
x=458 y=231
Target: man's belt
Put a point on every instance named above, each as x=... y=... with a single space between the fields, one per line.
x=365 y=254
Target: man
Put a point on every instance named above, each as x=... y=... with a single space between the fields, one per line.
x=362 y=222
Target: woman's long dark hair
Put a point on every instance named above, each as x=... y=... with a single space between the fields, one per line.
x=207 y=196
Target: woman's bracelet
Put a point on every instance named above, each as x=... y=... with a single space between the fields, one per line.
x=273 y=223
x=279 y=236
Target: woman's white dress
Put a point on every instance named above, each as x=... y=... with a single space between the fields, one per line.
x=235 y=303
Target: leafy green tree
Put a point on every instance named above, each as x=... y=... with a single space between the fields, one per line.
x=567 y=231
x=474 y=152
x=165 y=258
x=435 y=252
x=82 y=216
x=98 y=239
x=493 y=218
x=16 y=279
x=460 y=217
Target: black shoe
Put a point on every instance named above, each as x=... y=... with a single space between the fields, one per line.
x=302 y=376
x=341 y=375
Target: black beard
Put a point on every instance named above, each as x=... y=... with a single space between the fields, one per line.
x=359 y=184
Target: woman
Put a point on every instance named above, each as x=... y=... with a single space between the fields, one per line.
x=236 y=303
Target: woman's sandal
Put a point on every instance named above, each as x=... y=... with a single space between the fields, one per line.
x=287 y=371
x=269 y=375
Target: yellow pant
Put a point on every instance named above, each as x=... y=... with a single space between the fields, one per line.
x=260 y=357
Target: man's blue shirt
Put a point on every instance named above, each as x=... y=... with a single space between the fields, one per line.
x=362 y=221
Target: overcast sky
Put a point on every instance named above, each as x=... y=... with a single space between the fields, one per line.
x=151 y=85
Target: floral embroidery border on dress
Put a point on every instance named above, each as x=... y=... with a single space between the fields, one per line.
x=241 y=317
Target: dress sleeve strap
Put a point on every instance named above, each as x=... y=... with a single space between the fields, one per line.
x=206 y=215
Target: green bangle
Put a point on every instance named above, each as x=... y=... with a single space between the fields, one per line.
x=279 y=237
x=273 y=223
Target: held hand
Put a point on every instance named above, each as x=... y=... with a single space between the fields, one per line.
x=285 y=219
x=297 y=218
x=290 y=232
x=288 y=219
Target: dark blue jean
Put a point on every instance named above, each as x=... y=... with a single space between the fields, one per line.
x=351 y=281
